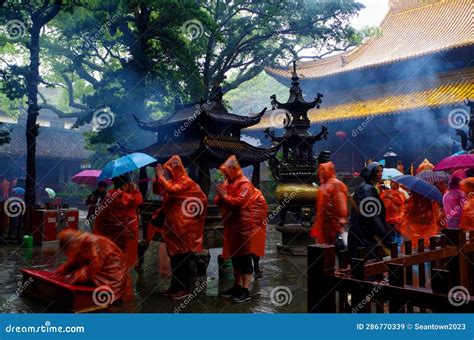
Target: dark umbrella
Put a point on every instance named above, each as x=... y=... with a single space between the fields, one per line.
x=421 y=187
x=433 y=176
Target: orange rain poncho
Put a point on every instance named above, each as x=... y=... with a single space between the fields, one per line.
x=420 y=219
x=117 y=219
x=425 y=165
x=184 y=208
x=393 y=200
x=94 y=259
x=244 y=213
x=467 y=215
x=331 y=206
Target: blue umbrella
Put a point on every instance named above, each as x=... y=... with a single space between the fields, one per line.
x=389 y=173
x=19 y=191
x=126 y=164
x=421 y=187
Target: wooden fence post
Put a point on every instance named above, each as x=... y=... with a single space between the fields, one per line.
x=396 y=277
x=321 y=265
x=360 y=295
x=421 y=266
x=459 y=266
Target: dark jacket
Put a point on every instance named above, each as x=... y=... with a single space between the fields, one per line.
x=93 y=199
x=367 y=222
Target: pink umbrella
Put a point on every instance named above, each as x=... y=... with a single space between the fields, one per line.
x=87 y=177
x=452 y=163
x=461 y=173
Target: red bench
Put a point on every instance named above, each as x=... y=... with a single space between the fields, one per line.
x=53 y=290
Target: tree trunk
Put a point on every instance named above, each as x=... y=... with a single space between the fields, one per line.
x=32 y=80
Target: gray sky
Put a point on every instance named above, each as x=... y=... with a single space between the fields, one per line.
x=372 y=14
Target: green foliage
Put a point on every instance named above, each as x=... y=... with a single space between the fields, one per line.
x=255 y=95
x=101 y=153
x=138 y=57
x=71 y=192
x=4 y=134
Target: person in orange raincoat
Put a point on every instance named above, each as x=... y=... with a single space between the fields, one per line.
x=94 y=259
x=6 y=188
x=393 y=199
x=244 y=214
x=420 y=219
x=117 y=217
x=467 y=215
x=331 y=207
x=184 y=208
x=425 y=165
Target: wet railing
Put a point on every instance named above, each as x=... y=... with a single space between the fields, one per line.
x=439 y=279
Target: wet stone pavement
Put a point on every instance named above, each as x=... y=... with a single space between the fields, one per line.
x=284 y=275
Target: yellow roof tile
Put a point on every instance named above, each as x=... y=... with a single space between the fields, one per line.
x=407 y=32
x=448 y=89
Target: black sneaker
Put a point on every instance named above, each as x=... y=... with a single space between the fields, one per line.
x=231 y=292
x=243 y=296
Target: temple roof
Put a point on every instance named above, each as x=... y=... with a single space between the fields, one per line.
x=51 y=143
x=217 y=150
x=410 y=29
x=163 y=152
x=214 y=110
x=241 y=121
x=399 y=97
x=221 y=149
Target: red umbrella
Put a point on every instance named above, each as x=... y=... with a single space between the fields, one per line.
x=452 y=163
x=87 y=177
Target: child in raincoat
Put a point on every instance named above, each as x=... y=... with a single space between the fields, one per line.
x=244 y=214
x=467 y=215
x=393 y=200
x=331 y=207
x=94 y=259
x=117 y=217
x=184 y=208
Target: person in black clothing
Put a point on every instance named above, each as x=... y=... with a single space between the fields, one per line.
x=93 y=201
x=367 y=226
